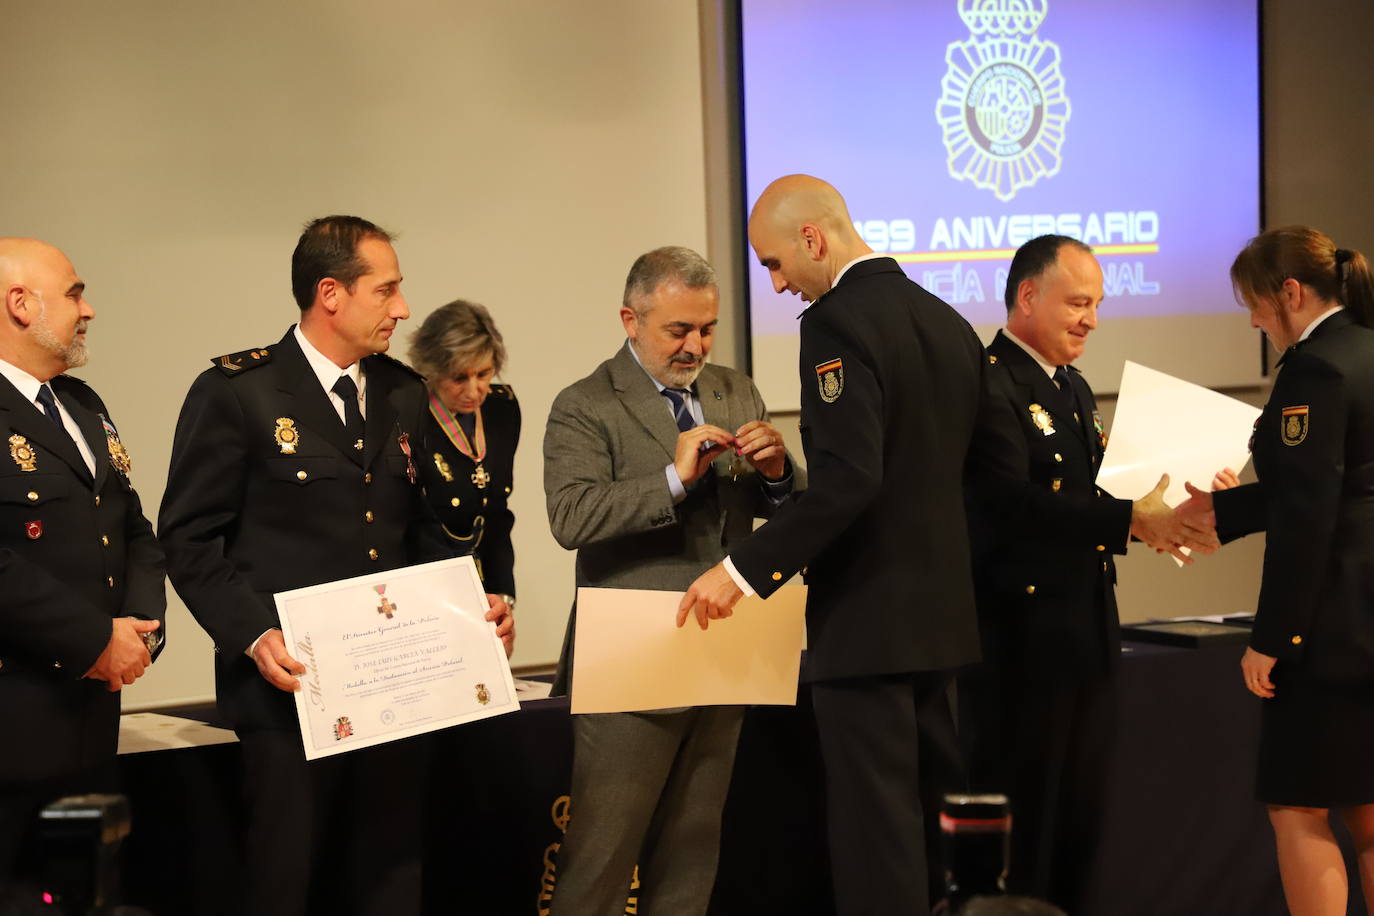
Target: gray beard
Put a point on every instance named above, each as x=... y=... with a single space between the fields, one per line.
x=73 y=355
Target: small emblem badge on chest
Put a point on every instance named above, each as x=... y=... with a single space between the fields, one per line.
x=1101 y=430
x=444 y=470
x=287 y=436
x=23 y=453
x=34 y=530
x=830 y=380
x=1294 y=426
x=1042 y=420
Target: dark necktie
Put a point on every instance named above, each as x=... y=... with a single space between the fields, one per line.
x=1061 y=378
x=681 y=412
x=353 y=417
x=48 y=402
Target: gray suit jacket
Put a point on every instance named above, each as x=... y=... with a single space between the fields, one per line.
x=609 y=438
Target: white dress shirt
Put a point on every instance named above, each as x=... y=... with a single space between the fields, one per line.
x=28 y=387
x=328 y=373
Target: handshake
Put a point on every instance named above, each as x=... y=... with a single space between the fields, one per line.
x=1189 y=526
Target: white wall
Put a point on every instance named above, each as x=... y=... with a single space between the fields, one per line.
x=525 y=151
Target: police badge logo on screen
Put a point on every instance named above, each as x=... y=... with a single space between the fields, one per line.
x=1003 y=110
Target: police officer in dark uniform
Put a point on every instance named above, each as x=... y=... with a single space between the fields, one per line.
x=81 y=573
x=1311 y=654
x=889 y=395
x=293 y=465
x=470 y=438
x=1038 y=713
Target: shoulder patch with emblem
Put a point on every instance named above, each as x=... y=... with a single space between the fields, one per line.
x=235 y=363
x=830 y=380
x=1294 y=425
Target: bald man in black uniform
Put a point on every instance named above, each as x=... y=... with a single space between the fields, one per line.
x=81 y=573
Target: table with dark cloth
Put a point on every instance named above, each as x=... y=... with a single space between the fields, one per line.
x=1183 y=833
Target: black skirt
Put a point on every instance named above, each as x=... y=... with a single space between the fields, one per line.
x=1316 y=744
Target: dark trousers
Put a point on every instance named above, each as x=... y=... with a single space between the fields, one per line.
x=1045 y=743
x=339 y=835
x=890 y=752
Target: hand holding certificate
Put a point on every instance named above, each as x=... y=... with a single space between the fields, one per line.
x=394 y=654
x=1164 y=425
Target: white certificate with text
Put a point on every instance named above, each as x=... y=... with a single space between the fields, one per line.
x=394 y=654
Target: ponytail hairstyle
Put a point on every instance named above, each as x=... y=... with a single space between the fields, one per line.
x=1310 y=257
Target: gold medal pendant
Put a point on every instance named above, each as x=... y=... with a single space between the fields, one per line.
x=1042 y=420
x=287 y=436
x=481 y=478
x=23 y=453
x=119 y=455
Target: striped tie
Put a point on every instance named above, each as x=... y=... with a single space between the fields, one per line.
x=678 y=398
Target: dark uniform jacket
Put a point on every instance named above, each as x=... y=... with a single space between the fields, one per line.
x=1043 y=532
x=74 y=554
x=475 y=509
x=890 y=390
x=1314 y=455
x=251 y=510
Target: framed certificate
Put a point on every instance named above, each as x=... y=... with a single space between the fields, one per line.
x=394 y=654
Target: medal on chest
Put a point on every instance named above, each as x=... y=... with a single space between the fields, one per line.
x=403 y=440
x=474 y=448
x=23 y=454
x=119 y=455
x=1042 y=420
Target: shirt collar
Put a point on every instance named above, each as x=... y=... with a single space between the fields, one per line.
x=324 y=368
x=1049 y=369
x=871 y=256
x=28 y=385
x=1307 y=331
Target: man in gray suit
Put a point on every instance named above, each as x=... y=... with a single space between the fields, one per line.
x=654 y=465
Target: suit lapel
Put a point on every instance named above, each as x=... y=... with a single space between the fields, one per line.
x=715 y=409
x=94 y=432
x=35 y=426
x=381 y=412
x=642 y=400
x=307 y=403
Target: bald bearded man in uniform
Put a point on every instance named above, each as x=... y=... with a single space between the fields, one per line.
x=82 y=588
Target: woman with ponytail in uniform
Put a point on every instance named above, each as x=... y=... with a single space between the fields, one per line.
x=1311 y=655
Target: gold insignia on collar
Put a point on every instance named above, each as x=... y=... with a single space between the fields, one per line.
x=1041 y=418
x=444 y=470
x=287 y=436
x=23 y=453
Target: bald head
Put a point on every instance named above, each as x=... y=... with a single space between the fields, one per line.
x=46 y=312
x=801 y=230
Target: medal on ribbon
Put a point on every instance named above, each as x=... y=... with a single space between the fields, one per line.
x=387 y=607
x=403 y=440
x=476 y=449
x=119 y=455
